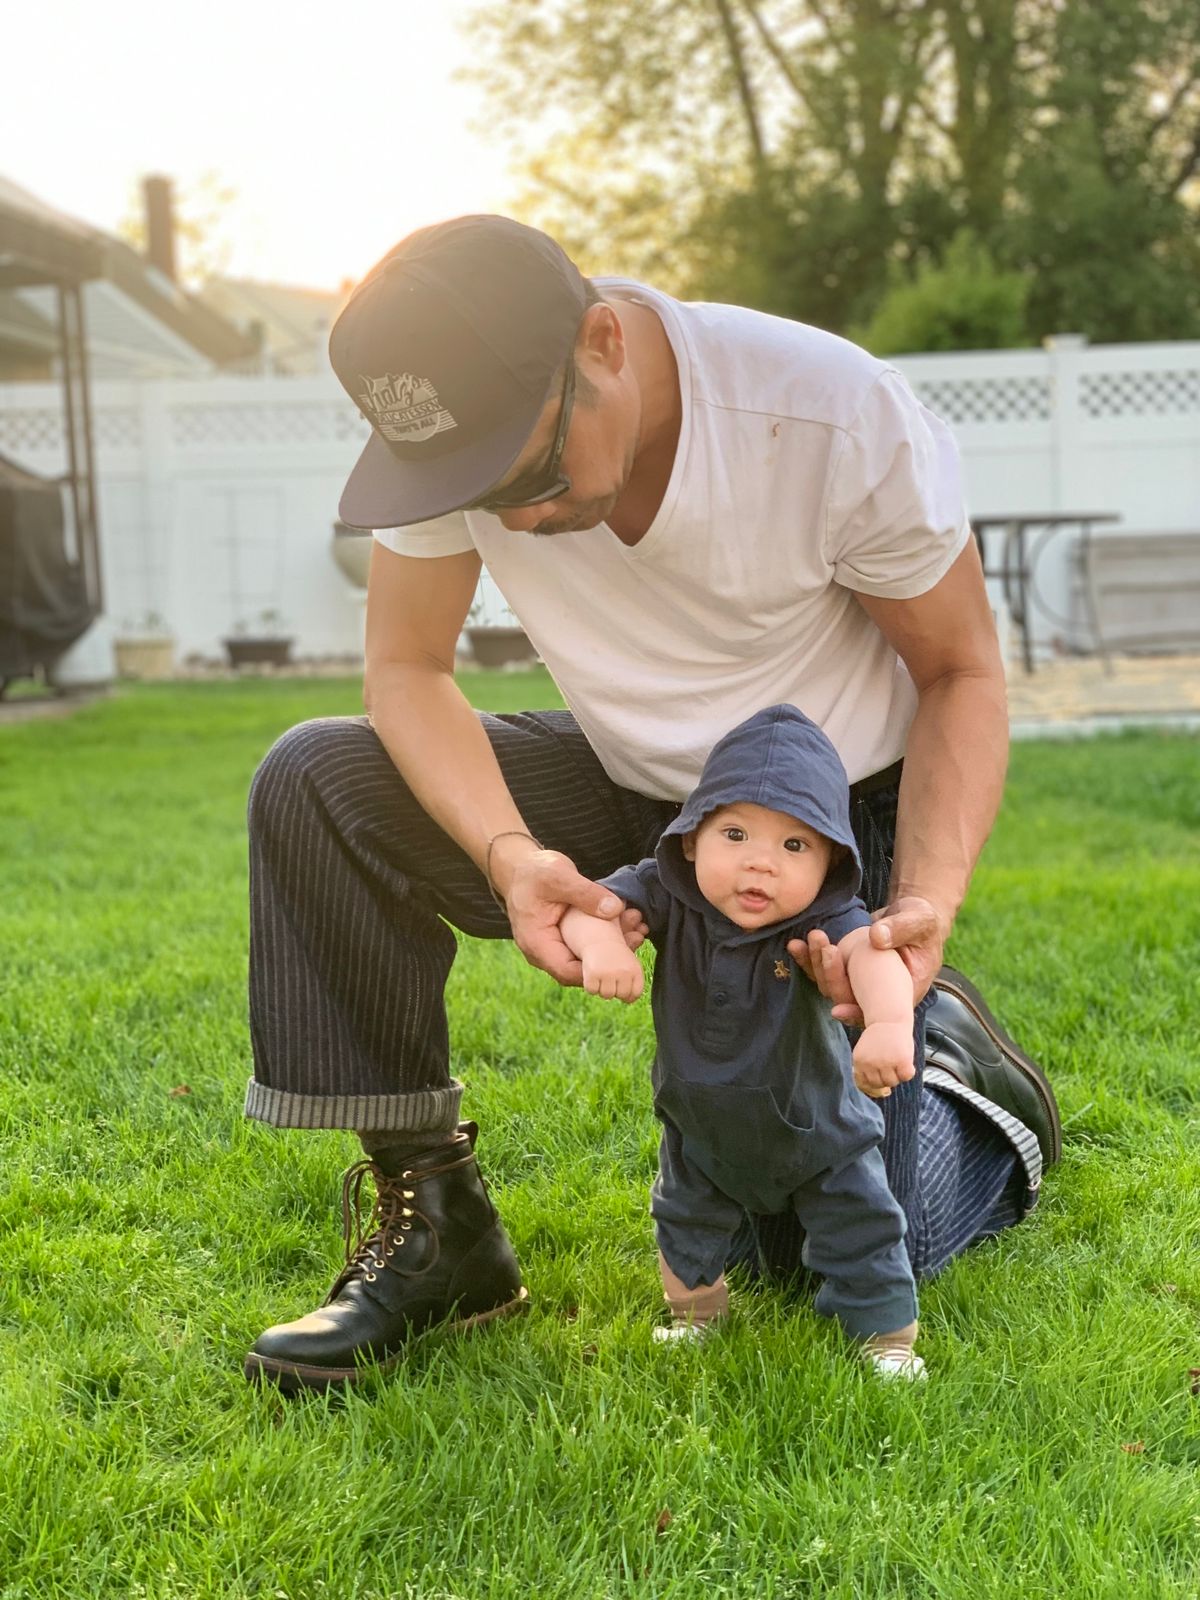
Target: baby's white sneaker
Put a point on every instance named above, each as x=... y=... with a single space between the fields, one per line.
x=892 y=1355
x=684 y=1332
x=890 y=1364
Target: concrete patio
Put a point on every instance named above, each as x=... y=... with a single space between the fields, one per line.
x=1074 y=695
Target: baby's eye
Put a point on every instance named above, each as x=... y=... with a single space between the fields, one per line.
x=735 y=835
x=795 y=845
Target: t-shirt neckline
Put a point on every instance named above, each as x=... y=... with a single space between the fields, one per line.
x=667 y=313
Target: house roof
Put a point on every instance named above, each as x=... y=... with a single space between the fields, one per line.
x=39 y=245
x=203 y=328
x=292 y=322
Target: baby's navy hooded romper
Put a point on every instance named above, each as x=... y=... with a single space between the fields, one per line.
x=752 y=1077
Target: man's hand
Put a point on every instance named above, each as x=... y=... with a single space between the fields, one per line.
x=911 y=926
x=883 y=1057
x=543 y=884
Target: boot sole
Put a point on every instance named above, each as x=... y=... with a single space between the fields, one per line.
x=294 y=1377
x=953 y=982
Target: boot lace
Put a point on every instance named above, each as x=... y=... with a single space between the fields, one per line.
x=372 y=1244
x=373 y=1237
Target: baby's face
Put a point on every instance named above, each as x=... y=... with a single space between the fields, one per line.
x=756 y=865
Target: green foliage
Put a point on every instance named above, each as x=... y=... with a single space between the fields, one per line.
x=795 y=255
x=963 y=303
x=1107 y=256
x=799 y=157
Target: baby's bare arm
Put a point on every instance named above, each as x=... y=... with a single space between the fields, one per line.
x=883 y=987
x=881 y=982
x=610 y=968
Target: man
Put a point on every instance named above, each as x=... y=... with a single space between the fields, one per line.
x=695 y=511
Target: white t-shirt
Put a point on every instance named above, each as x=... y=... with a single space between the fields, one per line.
x=806 y=470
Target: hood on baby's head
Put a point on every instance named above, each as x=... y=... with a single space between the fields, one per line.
x=780 y=759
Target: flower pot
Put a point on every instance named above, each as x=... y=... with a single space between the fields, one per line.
x=252 y=652
x=148 y=658
x=352 y=552
x=498 y=647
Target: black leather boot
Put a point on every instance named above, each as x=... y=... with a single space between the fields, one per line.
x=432 y=1250
x=965 y=1040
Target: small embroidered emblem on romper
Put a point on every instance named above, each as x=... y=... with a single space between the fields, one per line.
x=782 y=970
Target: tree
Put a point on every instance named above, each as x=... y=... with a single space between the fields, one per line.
x=1104 y=214
x=200 y=208
x=760 y=120
x=798 y=154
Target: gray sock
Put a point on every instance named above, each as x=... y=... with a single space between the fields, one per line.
x=390 y=1148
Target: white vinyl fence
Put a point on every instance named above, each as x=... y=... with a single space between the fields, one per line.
x=218 y=495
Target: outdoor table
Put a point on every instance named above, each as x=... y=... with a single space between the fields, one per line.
x=1017 y=555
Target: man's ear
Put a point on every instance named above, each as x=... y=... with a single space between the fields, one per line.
x=688 y=845
x=602 y=336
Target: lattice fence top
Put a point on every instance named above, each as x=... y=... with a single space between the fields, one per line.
x=35 y=431
x=118 y=429
x=988 y=399
x=1140 y=394
x=308 y=422
x=228 y=421
x=30 y=431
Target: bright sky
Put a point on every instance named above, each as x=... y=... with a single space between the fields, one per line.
x=338 y=126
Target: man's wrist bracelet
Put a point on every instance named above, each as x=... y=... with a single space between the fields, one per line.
x=507 y=833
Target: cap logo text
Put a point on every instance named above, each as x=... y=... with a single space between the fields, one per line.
x=404 y=408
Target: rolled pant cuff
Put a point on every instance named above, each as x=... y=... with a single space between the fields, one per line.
x=424 y=1110
x=886 y=1317
x=1022 y=1138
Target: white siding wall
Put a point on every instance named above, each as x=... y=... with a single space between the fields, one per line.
x=218 y=495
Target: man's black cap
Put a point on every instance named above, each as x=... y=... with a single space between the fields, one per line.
x=449 y=348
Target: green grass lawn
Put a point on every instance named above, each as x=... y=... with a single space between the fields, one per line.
x=148 y=1234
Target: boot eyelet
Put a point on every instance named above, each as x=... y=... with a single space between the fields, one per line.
x=406 y=1211
x=406 y=1174
x=406 y=1226
x=370 y=1277
x=410 y=1194
x=400 y=1241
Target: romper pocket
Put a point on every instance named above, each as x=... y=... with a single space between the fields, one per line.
x=739 y=1139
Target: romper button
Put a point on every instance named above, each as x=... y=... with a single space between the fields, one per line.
x=720 y=998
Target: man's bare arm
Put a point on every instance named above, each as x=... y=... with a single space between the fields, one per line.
x=415 y=612
x=954 y=765
x=957 y=752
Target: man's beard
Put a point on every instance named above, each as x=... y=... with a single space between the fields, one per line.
x=587 y=517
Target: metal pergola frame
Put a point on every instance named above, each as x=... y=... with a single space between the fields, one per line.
x=34 y=252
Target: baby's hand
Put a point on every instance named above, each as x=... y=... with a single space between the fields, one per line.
x=613 y=974
x=883 y=1057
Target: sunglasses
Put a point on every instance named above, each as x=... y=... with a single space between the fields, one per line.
x=549 y=482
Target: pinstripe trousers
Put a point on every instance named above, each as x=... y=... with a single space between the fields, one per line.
x=352 y=888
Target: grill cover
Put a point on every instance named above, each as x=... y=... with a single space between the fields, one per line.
x=44 y=605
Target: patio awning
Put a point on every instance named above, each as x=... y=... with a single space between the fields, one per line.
x=42 y=247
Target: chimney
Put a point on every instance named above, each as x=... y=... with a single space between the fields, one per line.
x=160 y=225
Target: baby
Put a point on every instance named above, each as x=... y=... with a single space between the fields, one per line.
x=753 y=1080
